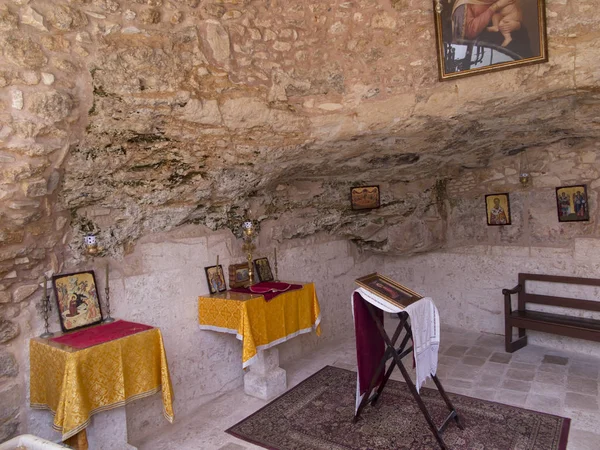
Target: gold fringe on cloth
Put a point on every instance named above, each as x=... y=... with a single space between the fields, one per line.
x=76 y=384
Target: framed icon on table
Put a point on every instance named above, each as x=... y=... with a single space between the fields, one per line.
x=77 y=300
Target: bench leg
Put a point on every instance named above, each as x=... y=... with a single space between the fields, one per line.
x=510 y=345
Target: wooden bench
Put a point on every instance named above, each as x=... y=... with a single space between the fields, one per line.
x=561 y=324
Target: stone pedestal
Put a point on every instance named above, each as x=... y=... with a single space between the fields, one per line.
x=265 y=379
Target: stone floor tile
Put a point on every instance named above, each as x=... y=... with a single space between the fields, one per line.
x=488 y=380
x=232 y=446
x=516 y=385
x=464 y=372
x=583 y=440
x=494 y=368
x=485 y=394
x=543 y=403
x=548 y=390
x=481 y=352
x=582 y=385
x=523 y=366
x=456 y=350
x=558 y=360
x=473 y=361
x=580 y=401
x=523 y=375
x=490 y=340
x=513 y=398
x=557 y=379
x=502 y=358
x=552 y=368
x=463 y=384
x=448 y=360
x=584 y=370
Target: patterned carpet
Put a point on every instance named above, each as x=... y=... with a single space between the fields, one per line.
x=317 y=415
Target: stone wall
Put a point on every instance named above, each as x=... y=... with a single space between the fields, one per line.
x=159 y=284
x=467 y=277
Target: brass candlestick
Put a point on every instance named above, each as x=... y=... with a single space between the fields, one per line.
x=275 y=263
x=248 y=247
x=108 y=319
x=46 y=308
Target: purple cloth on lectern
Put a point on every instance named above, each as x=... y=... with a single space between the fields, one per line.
x=370 y=345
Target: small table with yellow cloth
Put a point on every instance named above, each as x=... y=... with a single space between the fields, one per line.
x=261 y=325
x=75 y=384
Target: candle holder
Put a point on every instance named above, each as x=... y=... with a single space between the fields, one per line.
x=249 y=247
x=45 y=310
x=108 y=318
x=275 y=265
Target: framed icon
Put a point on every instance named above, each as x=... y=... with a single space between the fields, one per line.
x=77 y=300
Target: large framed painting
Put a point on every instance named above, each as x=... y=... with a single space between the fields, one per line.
x=497 y=209
x=572 y=203
x=77 y=300
x=388 y=289
x=477 y=36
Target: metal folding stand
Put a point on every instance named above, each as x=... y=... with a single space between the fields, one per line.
x=396 y=355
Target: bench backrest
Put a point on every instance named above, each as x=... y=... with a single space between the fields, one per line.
x=525 y=297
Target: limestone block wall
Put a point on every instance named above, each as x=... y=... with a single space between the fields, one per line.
x=159 y=284
x=467 y=276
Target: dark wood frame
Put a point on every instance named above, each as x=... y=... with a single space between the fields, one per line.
x=561 y=324
x=365 y=208
x=220 y=270
x=439 y=40
x=587 y=217
x=364 y=282
x=257 y=272
x=396 y=354
x=58 y=307
x=508 y=216
x=233 y=268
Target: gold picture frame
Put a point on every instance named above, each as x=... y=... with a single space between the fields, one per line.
x=385 y=287
x=77 y=300
x=467 y=45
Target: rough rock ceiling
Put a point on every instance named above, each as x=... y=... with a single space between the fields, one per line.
x=198 y=111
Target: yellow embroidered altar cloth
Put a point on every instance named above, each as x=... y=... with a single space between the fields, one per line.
x=260 y=324
x=76 y=384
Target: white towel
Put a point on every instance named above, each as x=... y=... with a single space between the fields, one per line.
x=425 y=324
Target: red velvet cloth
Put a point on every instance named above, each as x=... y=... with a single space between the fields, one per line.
x=268 y=289
x=100 y=334
x=370 y=345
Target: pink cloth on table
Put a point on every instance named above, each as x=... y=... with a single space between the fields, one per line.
x=268 y=289
x=370 y=345
x=100 y=334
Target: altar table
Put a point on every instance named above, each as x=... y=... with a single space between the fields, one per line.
x=259 y=324
x=75 y=384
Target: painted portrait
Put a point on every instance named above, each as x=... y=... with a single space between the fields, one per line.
x=77 y=300
x=263 y=269
x=364 y=197
x=475 y=36
x=572 y=203
x=215 y=279
x=497 y=207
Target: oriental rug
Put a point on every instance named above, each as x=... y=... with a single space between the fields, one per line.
x=317 y=415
